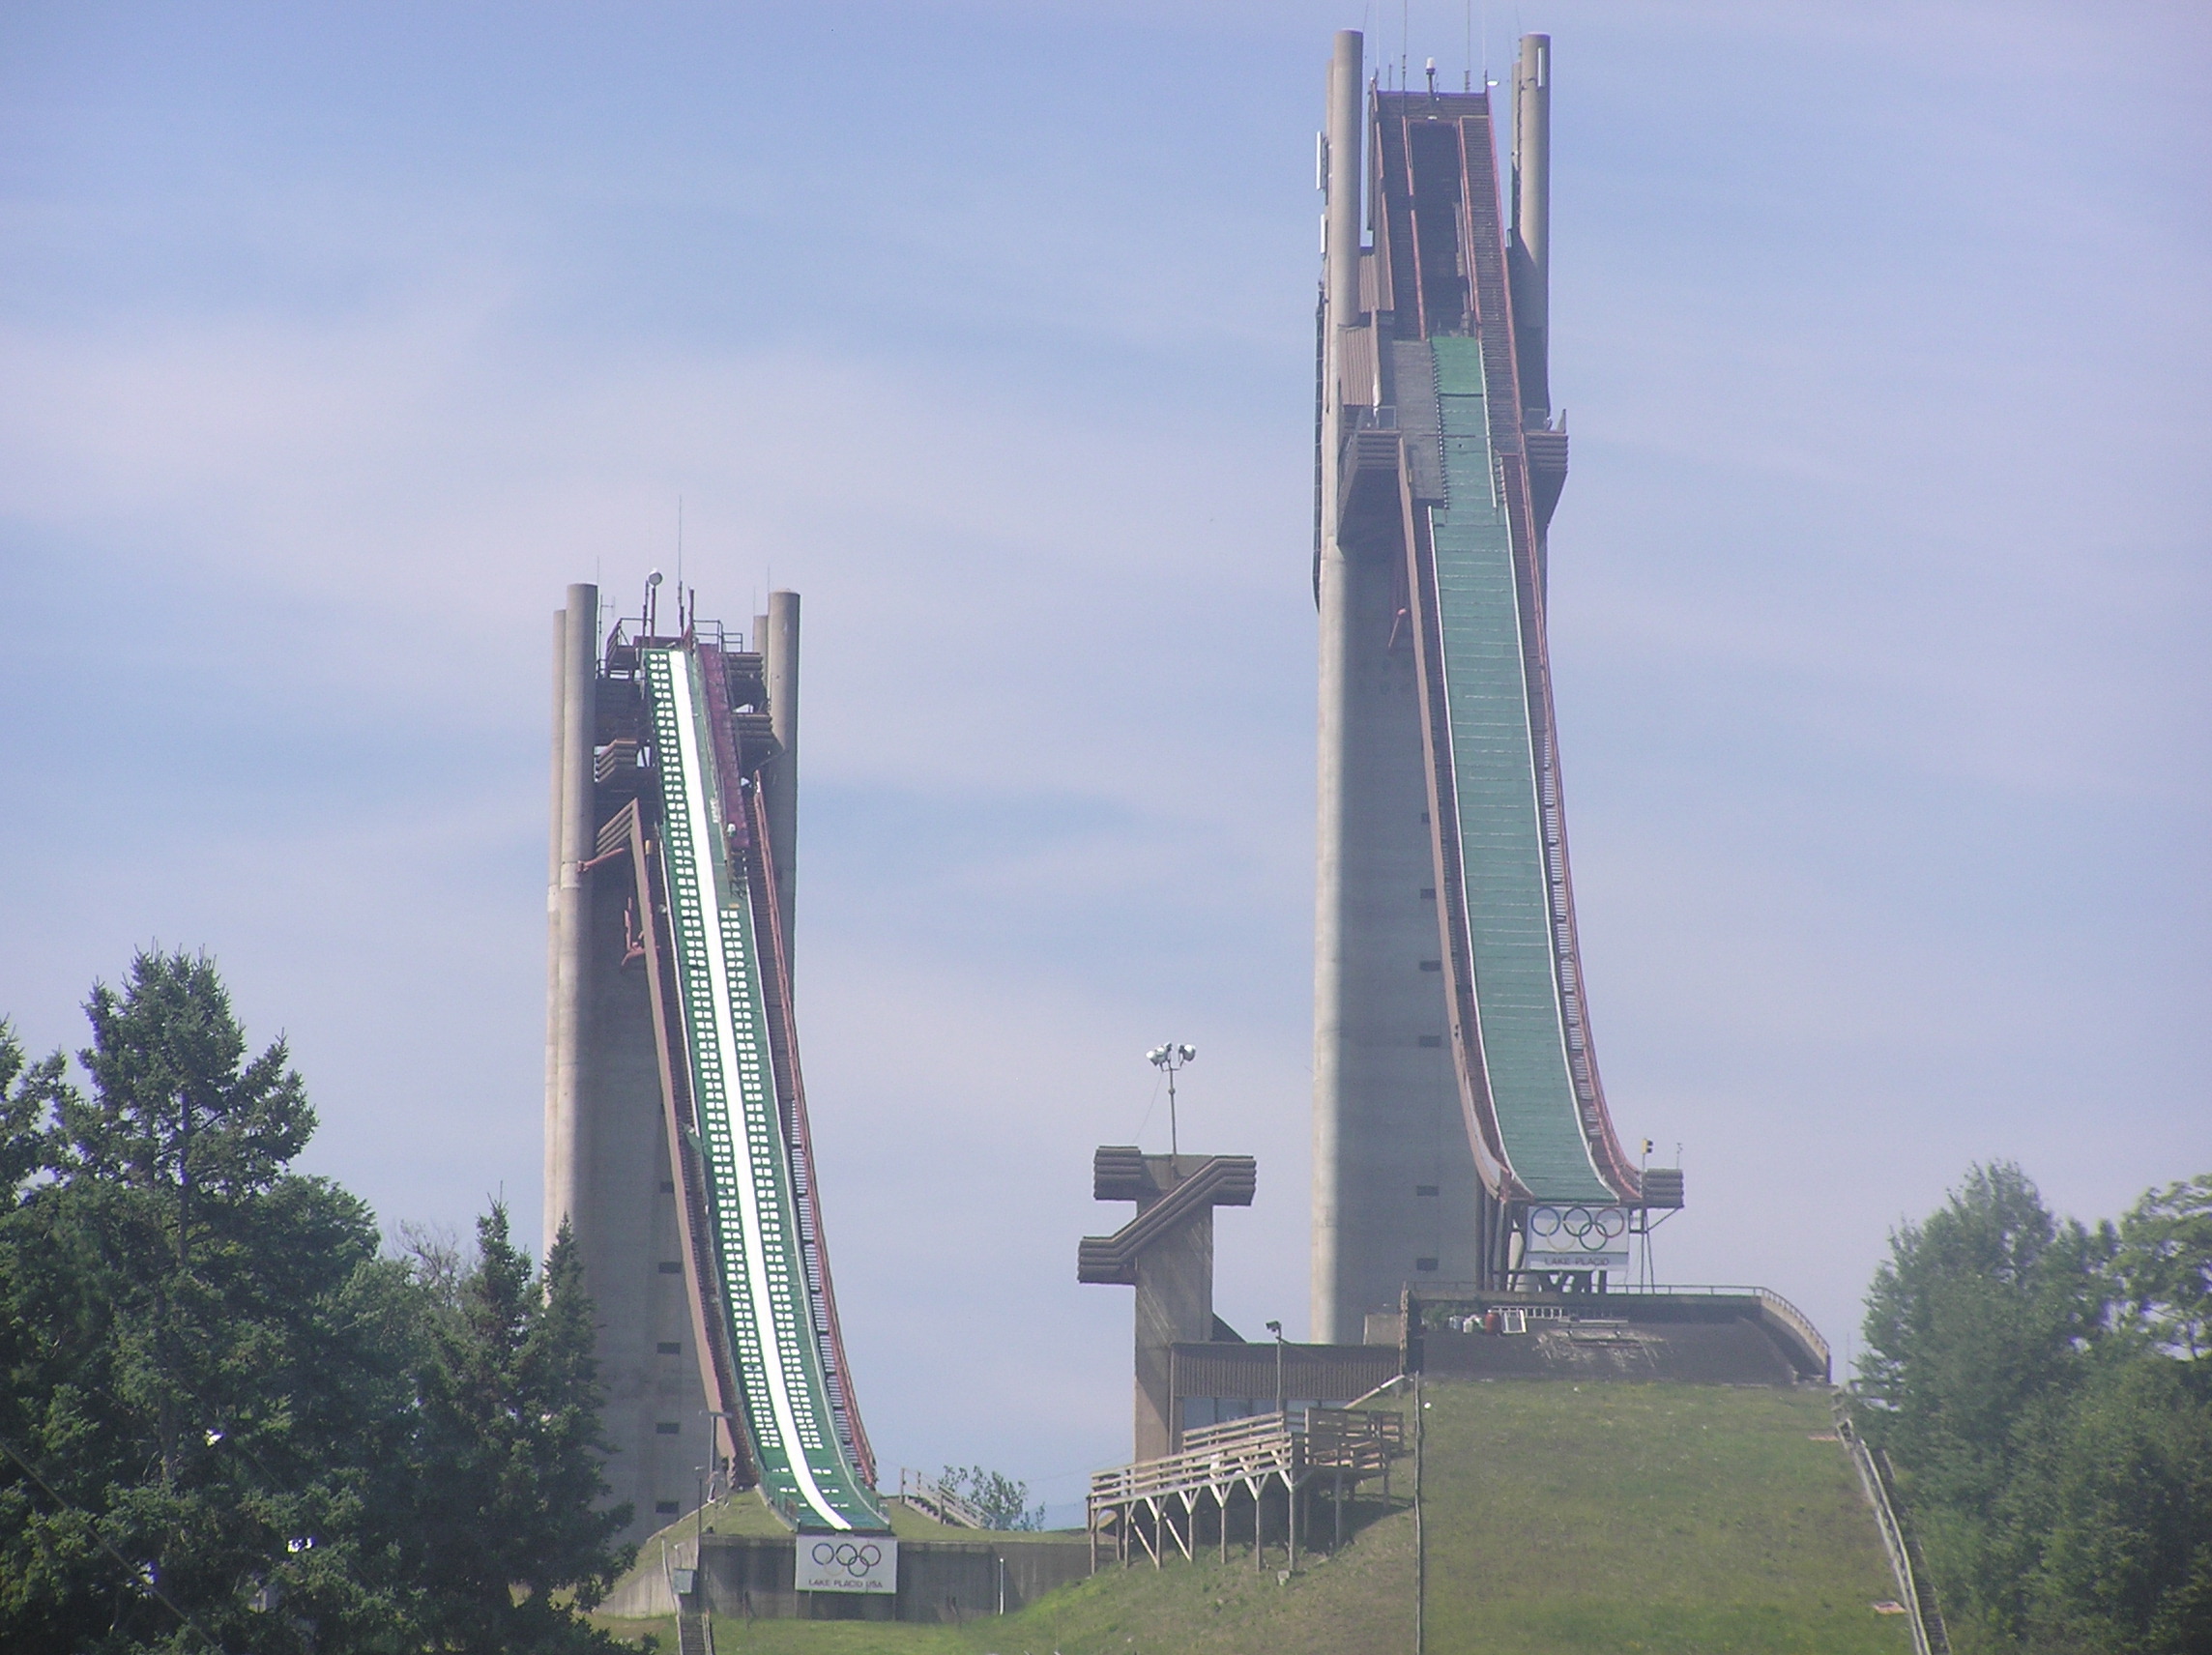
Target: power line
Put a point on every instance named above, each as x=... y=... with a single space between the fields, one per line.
x=138 y=1570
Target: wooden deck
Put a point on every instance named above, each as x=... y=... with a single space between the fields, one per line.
x=1280 y=1460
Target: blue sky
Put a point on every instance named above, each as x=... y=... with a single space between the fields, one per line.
x=337 y=338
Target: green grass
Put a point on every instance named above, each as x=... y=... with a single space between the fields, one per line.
x=1649 y=1518
x=1644 y=1520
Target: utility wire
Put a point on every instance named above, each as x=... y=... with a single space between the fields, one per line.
x=100 y=1540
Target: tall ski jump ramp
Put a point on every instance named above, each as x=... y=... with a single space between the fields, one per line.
x=1461 y=1131
x=677 y=1139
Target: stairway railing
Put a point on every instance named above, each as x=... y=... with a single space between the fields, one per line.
x=1917 y=1592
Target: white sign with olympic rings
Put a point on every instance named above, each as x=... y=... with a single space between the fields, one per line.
x=1576 y=1238
x=848 y=1563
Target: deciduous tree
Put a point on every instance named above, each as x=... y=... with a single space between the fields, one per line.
x=2040 y=1387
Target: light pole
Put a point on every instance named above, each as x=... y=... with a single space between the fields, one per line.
x=1171 y=1057
x=1277 y=1328
x=1642 y=1167
x=1420 y=1534
x=699 y=1521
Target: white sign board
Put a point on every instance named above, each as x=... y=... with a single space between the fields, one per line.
x=848 y=1563
x=1576 y=1238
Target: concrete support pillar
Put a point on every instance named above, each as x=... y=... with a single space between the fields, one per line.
x=1530 y=260
x=1341 y=300
x=1166 y=1253
x=1342 y=260
x=779 y=777
x=1395 y=1187
x=557 y=1150
x=1174 y=1306
x=567 y=1144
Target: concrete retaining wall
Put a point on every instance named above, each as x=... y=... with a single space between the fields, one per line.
x=938 y=1581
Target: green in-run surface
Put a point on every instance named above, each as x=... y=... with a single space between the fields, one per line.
x=752 y=1216
x=1495 y=781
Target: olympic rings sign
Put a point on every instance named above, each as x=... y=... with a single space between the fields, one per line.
x=1577 y=1237
x=847 y=1563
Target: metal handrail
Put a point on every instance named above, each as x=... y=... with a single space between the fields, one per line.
x=1929 y=1636
x=933 y=1499
x=1798 y=1321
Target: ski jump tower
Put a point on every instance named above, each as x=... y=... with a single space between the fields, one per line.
x=677 y=1146
x=1460 y=1129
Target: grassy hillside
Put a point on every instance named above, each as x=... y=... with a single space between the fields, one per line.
x=1660 y=1520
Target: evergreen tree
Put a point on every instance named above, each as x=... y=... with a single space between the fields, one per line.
x=506 y=1533
x=171 y=1297
x=226 y=1422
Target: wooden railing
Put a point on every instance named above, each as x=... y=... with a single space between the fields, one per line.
x=1156 y=1504
x=1264 y=1450
x=1288 y=1445
x=1358 y=1441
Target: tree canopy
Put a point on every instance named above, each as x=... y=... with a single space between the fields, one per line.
x=2043 y=1388
x=228 y=1420
x=999 y=1500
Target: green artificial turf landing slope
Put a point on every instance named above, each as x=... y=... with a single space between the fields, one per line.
x=1612 y=1520
x=1648 y=1517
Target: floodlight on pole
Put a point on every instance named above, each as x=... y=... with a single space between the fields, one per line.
x=1277 y=1328
x=1171 y=1057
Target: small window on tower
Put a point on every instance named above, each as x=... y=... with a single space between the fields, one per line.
x=668 y=1428
x=665 y=1508
x=669 y=1347
x=1431 y=1040
x=1425 y=1263
x=1432 y=964
x=1424 y=1189
x=671 y=1266
x=667 y=1186
x=1429 y=891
